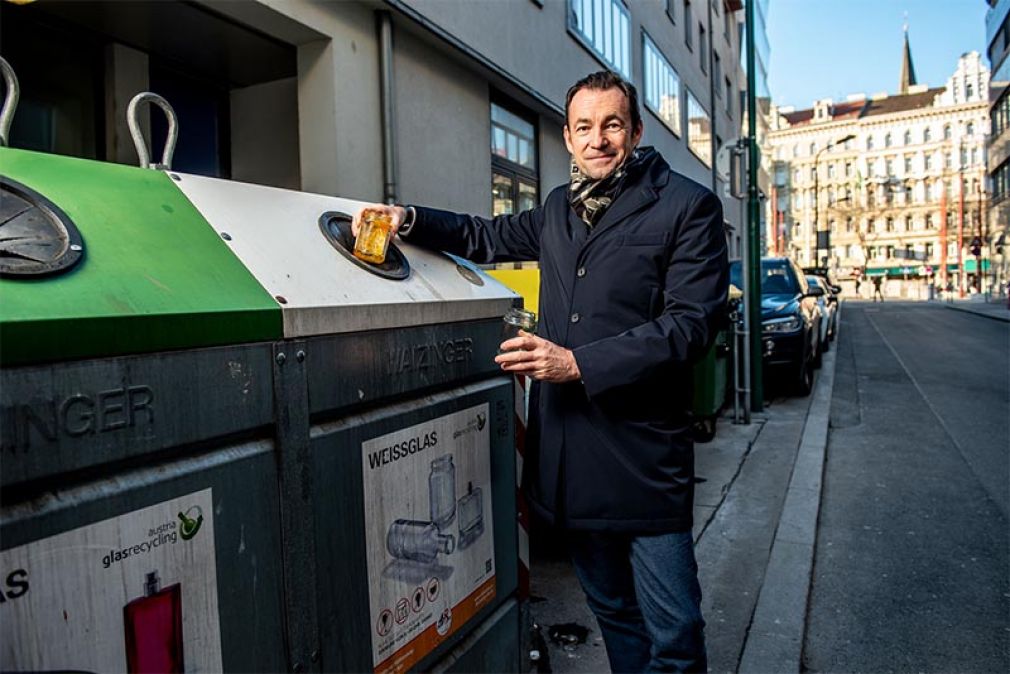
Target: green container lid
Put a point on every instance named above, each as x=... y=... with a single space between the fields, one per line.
x=153 y=275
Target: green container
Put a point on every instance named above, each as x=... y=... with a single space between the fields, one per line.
x=709 y=378
x=154 y=275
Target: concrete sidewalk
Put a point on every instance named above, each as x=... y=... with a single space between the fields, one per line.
x=756 y=505
x=995 y=310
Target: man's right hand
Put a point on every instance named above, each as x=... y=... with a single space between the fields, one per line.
x=395 y=213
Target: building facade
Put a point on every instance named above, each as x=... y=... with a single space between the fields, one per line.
x=888 y=185
x=291 y=93
x=997 y=33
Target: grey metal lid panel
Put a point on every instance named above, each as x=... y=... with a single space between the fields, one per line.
x=276 y=234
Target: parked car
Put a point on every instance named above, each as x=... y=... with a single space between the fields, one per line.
x=790 y=321
x=828 y=306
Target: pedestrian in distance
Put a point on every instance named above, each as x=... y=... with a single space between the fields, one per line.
x=877 y=292
x=858 y=284
x=633 y=280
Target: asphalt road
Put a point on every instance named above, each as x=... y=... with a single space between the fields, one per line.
x=912 y=566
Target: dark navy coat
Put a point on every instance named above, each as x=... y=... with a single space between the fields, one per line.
x=636 y=299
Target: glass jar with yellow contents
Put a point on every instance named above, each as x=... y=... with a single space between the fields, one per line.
x=373 y=237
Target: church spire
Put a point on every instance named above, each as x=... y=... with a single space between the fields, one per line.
x=907 y=69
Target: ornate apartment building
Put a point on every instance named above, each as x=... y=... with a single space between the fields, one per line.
x=890 y=185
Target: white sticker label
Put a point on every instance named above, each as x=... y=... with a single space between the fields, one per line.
x=428 y=534
x=133 y=593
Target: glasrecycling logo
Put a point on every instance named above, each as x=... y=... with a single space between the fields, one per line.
x=192 y=519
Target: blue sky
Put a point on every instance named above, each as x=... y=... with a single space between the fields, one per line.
x=832 y=48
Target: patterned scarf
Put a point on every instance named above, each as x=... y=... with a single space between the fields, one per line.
x=590 y=198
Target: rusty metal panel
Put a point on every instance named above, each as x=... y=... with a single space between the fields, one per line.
x=64 y=417
x=345 y=625
x=71 y=548
x=363 y=368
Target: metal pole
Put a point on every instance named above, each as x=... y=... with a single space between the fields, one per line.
x=388 y=109
x=753 y=281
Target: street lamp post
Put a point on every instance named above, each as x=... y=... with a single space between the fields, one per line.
x=817 y=195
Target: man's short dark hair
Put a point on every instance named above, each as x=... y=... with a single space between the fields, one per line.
x=603 y=80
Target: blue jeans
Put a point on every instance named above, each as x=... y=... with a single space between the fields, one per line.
x=645 y=594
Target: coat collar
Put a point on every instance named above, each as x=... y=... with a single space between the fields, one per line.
x=641 y=194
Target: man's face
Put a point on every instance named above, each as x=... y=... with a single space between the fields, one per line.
x=598 y=131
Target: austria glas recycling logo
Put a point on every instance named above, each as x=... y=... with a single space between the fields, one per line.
x=192 y=519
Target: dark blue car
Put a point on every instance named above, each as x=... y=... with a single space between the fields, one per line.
x=789 y=321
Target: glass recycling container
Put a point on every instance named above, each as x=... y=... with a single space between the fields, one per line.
x=210 y=409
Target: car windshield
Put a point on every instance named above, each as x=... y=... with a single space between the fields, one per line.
x=775 y=277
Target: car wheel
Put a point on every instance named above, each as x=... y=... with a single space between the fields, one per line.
x=804 y=382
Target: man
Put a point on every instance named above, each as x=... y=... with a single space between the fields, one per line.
x=877 y=292
x=633 y=279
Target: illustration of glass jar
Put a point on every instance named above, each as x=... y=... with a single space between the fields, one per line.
x=471 y=516
x=419 y=541
x=442 y=492
x=153 y=625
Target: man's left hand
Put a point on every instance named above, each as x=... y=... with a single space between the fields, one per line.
x=538 y=358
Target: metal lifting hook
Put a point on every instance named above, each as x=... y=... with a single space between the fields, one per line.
x=10 y=101
x=138 y=139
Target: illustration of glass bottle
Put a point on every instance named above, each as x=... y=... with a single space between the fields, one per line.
x=153 y=625
x=419 y=541
x=442 y=492
x=471 y=516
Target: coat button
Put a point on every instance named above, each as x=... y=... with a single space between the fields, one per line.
x=581 y=272
x=575 y=317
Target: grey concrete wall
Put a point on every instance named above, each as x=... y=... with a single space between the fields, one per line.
x=264 y=134
x=443 y=129
x=554 y=158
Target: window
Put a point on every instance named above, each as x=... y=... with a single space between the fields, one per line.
x=604 y=26
x=928 y=162
x=908 y=164
x=929 y=250
x=729 y=98
x=969 y=91
x=662 y=86
x=929 y=221
x=889 y=166
x=927 y=135
x=717 y=73
x=813 y=149
x=813 y=173
x=699 y=130
x=831 y=171
x=946 y=131
x=969 y=129
x=889 y=225
x=887 y=140
x=513 y=161
x=848 y=225
x=908 y=138
x=869 y=142
x=688 y=20
x=848 y=169
x=906 y=224
x=702 y=47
